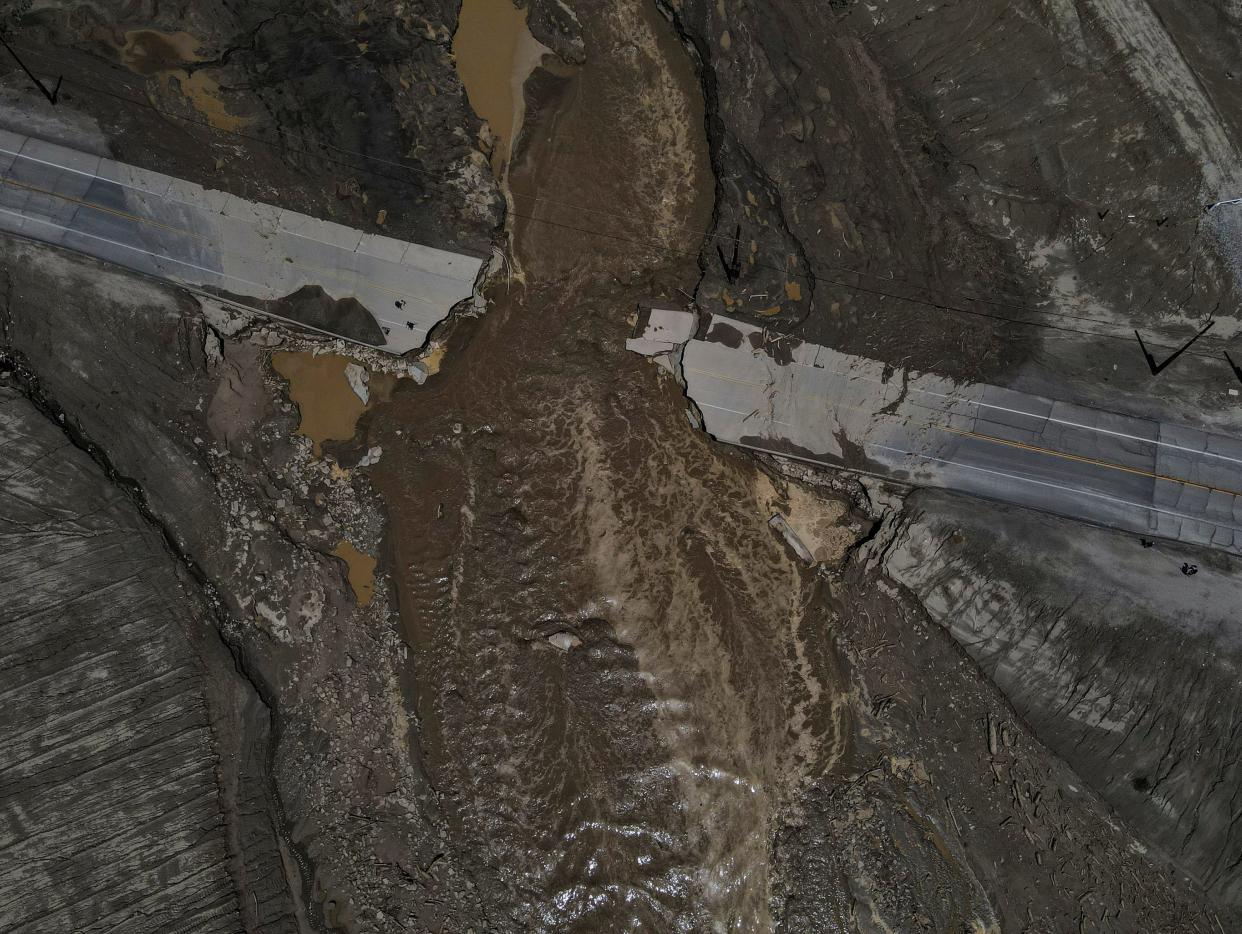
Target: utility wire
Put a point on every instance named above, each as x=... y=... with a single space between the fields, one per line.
x=441 y=178
x=942 y=306
x=951 y=302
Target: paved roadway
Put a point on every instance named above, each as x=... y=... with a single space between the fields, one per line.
x=216 y=242
x=809 y=402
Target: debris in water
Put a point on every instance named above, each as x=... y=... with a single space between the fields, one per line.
x=779 y=523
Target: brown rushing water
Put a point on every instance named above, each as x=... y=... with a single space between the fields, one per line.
x=545 y=483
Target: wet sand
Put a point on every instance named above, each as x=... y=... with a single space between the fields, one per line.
x=164 y=56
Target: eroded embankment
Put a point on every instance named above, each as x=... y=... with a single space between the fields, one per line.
x=551 y=494
x=640 y=709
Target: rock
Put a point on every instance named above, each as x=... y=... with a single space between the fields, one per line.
x=359 y=381
x=417 y=372
x=564 y=640
x=213 y=349
x=371 y=457
x=225 y=320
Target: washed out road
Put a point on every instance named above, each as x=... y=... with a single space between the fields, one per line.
x=768 y=393
x=753 y=389
x=249 y=252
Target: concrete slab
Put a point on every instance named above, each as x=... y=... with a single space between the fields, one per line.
x=208 y=239
x=382 y=248
x=60 y=159
x=821 y=406
x=135 y=178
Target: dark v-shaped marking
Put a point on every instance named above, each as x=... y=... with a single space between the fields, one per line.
x=1157 y=367
x=733 y=267
x=1237 y=370
x=50 y=95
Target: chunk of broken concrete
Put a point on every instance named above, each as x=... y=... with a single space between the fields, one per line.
x=661 y=331
x=371 y=457
x=213 y=348
x=417 y=372
x=359 y=381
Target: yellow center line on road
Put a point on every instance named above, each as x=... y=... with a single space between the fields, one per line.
x=1138 y=471
x=1087 y=460
x=1082 y=459
x=193 y=236
x=731 y=379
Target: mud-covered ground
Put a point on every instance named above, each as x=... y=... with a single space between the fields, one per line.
x=349 y=111
x=1129 y=672
x=977 y=189
x=515 y=648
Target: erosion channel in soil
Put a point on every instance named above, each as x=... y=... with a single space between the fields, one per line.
x=640 y=710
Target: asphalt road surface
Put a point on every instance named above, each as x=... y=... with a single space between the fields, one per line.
x=809 y=402
x=216 y=242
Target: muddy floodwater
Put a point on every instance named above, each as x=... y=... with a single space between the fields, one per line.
x=495 y=53
x=607 y=658
x=635 y=690
x=361 y=571
x=327 y=406
x=521 y=648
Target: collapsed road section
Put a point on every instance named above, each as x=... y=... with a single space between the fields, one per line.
x=782 y=396
x=366 y=288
